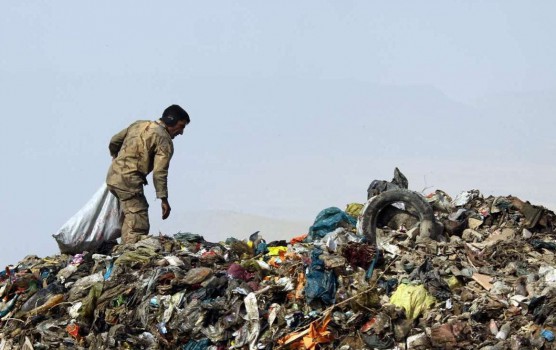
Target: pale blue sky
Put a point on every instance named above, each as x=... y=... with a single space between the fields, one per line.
x=295 y=106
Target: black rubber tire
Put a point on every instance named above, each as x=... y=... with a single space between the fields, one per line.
x=411 y=199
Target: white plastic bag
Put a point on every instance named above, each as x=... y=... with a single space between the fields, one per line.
x=100 y=220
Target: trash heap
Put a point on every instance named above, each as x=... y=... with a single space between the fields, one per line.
x=488 y=282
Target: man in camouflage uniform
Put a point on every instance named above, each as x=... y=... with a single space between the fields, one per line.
x=142 y=147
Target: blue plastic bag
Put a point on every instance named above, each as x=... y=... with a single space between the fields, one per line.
x=321 y=284
x=327 y=221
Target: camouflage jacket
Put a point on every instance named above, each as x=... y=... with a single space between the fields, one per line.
x=137 y=150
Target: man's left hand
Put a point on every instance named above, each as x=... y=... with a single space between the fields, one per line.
x=165 y=208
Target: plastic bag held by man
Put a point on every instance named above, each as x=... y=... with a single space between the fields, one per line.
x=100 y=220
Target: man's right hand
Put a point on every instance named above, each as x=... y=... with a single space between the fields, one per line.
x=165 y=208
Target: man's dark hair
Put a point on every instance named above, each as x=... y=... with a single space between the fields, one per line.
x=173 y=114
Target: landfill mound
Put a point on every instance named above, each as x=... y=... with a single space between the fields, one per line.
x=488 y=282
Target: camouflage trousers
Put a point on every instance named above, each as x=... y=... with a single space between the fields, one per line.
x=136 y=214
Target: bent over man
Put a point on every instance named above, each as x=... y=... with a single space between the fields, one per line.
x=141 y=148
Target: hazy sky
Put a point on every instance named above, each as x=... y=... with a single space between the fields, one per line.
x=295 y=105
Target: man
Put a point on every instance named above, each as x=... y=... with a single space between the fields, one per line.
x=143 y=147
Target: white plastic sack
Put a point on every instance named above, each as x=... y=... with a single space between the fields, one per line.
x=100 y=220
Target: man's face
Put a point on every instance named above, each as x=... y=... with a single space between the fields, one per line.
x=177 y=129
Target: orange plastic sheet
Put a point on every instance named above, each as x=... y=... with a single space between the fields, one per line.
x=274 y=262
x=297 y=294
x=308 y=339
x=73 y=330
x=298 y=239
x=301 y=280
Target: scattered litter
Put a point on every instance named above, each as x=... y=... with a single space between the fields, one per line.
x=482 y=277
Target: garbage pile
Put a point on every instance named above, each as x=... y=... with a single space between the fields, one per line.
x=487 y=281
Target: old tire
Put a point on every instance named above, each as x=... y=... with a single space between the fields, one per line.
x=412 y=199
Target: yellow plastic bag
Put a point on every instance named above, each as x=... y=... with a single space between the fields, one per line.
x=414 y=299
x=275 y=251
x=354 y=209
